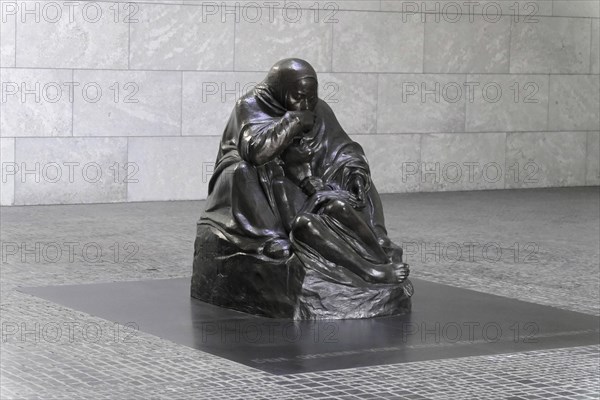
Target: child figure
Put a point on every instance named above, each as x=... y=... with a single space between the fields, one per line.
x=297 y=183
x=298 y=177
x=296 y=165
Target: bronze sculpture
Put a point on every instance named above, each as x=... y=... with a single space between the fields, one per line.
x=293 y=226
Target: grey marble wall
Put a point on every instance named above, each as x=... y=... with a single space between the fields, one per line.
x=125 y=101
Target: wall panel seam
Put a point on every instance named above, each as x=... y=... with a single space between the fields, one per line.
x=337 y=72
x=591 y=43
x=73 y=106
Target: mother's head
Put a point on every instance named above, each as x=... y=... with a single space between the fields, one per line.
x=293 y=82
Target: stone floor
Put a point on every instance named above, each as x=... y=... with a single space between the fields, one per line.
x=540 y=246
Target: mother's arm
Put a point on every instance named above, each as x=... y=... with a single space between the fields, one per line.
x=262 y=141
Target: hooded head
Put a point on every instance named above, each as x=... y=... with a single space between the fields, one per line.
x=293 y=83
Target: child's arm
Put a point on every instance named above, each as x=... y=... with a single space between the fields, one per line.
x=297 y=167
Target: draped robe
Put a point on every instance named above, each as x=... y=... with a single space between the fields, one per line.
x=242 y=204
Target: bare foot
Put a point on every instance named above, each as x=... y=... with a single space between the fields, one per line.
x=401 y=271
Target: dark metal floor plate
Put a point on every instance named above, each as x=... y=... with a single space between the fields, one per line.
x=446 y=322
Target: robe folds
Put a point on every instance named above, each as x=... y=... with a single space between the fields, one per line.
x=242 y=205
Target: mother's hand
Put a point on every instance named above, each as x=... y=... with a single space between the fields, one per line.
x=356 y=186
x=306 y=119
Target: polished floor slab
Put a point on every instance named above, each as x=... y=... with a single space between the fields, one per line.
x=446 y=322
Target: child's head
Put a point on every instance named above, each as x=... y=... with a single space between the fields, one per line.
x=297 y=153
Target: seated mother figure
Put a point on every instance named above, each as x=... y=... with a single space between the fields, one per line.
x=289 y=181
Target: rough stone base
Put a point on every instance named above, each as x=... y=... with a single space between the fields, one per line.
x=258 y=285
x=321 y=299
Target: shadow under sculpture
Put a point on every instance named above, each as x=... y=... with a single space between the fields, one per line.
x=293 y=225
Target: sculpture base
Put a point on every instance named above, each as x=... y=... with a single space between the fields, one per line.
x=258 y=285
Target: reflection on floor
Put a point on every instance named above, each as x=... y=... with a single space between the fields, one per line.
x=539 y=246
